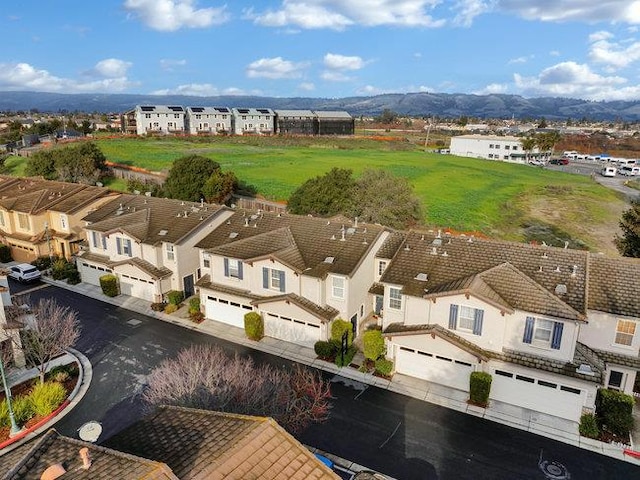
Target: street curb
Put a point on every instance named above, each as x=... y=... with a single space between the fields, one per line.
x=85 y=374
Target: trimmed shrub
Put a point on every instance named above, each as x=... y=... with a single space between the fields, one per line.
x=171 y=308
x=479 y=388
x=42 y=263
x=348 y=356
x=22 y=409
x=384 y=367
x=194 y=305
x=254 y=326
x=46 y=397
x=324 y=349
x=109 y=285
x=373 y=344
x=338 y=327
x=614 y=411
x=158 y=306
x=73 y=277
x=589 y=426
x=4 y=414
x=175 y=297
x=5 y=254
x=59 y=269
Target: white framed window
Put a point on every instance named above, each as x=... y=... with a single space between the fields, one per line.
x=170 y=252
x=625 y=330
x=206 y=261
x=616 y=380
x=466 y=318
x=382 y=266
x=123 y=246
x=395 y=298
x=276 y=280
x=23 y=221
x=337 y=287
x=64 y=223
x=542 y=332
x=234 y=268
x=273 y=279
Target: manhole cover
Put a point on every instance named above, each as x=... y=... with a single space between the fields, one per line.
x=134 y=322
x=90 y=431
x=554 y=470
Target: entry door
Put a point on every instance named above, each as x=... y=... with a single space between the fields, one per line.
x=379 y=303
x=354 y=325
x=188 y=286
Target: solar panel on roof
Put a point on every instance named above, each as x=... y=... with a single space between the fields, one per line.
x=147 y=109
x=175 y=109
x=197 y=109
x=263 y=110
x=222 y=109
x=243 y=110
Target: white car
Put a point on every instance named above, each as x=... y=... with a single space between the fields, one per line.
x=24 y=273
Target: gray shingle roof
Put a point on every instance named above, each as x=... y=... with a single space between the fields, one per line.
x=143 y=265
x=614 y=285
x=152 y=220
x=326 y=313
x=302 y=243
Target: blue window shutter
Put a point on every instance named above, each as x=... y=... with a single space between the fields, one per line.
x=528 y=330
x=477 y=322
x=281 y=273
x=119 y=245
x=453 y=316
x=226 y=267
x=240 y=270
x=265 y=277
x=556 y=339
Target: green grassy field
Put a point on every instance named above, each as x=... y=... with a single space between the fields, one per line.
x=508 y=201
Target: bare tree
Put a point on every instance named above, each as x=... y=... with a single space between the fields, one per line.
x=205 y=377
x=49 y=331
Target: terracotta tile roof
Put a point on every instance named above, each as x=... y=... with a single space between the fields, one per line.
x=613 y=285
x=450 y=259
x=326 y=313
x=35 y=195
x=29 y=461
x=303 y=243
x=199 y=444
x=152 y=220
x=143 y=265
x=582 y=354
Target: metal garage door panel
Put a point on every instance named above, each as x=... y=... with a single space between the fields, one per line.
x=90 y=275
x=137 y=289
x=291 y=331
x=537 y=397
x=225 y=313
x=433 y=369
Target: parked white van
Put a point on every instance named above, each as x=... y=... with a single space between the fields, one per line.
x=629 y=170
x=608 y=171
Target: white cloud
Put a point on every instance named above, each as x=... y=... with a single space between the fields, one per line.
x=201 y=90
x=23 y=76
x=334 y=61
x=624 y=11
x=339 y=14
x=110 y=68
x=333 y=76
x=468 y=10
x=613 y=55
x=170 y=65
x=570 y=79
x=307 y=86
x=275 y=68
x=172 y=15
x=554 y=53
x=523 y=59
x=493 y=88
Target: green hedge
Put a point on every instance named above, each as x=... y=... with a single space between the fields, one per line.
x=109 y=285
x=46 y=397
x=479 y=388
x=324 y=349
x=254 y=326
x=373 y=344
x=614 y=411
x=384 y=366
x=194 y=305
x=338 y=327
x=589 y=426
x=175 y=297
x=5 y=254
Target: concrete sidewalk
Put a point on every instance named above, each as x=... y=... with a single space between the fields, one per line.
x=521 y=418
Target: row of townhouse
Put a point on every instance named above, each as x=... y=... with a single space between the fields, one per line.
x=495 y=147
x=551 y=325
x=145 y=119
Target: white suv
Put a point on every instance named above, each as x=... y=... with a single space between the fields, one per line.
x=24 y=273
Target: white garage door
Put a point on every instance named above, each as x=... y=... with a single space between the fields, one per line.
x=291 y=330
x=226 y=311
x=433 y=368
x=136 y=287
x=537 y=394
x=91 y=273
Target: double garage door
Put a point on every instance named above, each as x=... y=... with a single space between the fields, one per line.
x=537 y=394
x=136 y=287
x=433 y=368
x=291 y=329
x=226 y=311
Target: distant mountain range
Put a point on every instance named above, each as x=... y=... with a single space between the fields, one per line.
x=415 y=104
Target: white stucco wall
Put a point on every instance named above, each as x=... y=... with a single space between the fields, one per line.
x=600 y=333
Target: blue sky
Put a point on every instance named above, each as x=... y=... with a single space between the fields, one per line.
x=323 y=48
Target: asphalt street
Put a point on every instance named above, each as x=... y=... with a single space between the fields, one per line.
x=400 y=436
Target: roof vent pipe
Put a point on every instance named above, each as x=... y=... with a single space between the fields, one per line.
x=246 y=222
x=574 y=272
x=86 y=458
x=566 y=244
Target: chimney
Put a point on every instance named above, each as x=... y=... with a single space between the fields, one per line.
x=86 y=458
